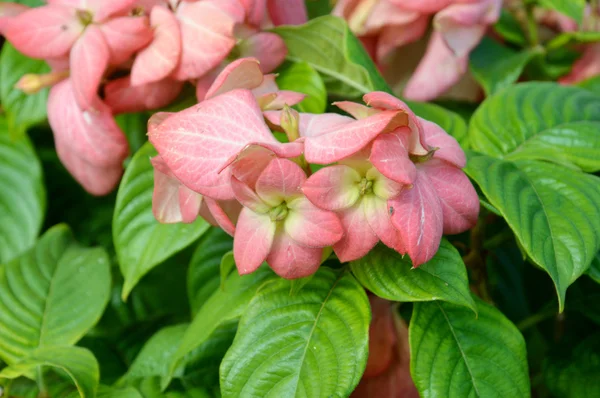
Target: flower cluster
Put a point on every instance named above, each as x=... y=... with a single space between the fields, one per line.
x=458 y=26
x=388 y=175
x=115 y=56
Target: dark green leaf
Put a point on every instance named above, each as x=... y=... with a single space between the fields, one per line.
x=227 y=265
x=594 y=270
x=22 y=110
x=510 y=29
x=22 y=194
x=134 y=125
x=389 y=275
x=454 y=354
x=142 y=242
x=51 y=295
x=302 y=78
x=203 y=273
x=554 y=212
x=496 y=67
x=78 y=363
x=318 y=8
x=312 y=344
x=328 y=46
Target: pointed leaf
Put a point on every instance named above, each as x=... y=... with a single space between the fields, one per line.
x=62 y=296
x=311 y=344
x=22 y=194
x=142 y=242
x=455 y=354
x=391 y=276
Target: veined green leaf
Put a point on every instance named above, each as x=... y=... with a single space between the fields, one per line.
x=51 y=295
x=454 y=354
x=311 y=344
x=389 y=275
x=142 y=242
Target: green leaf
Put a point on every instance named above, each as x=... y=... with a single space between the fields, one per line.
x=510 y=29
x=155 y=357
x=543 y=121
x=22 y=110
x=454 y=354
x=450 y=121
x=389 y=275
x=142 y=242
x=318 y=8
x=224 y=305
x=312 y=344
x=30 y=3
x=78 y=363
x=496 y=67
x=227 y=265
x=576 y=37
x=134 y=125
x=577 y=375
x=594 y=270
x=22 y=194
x=302 y=78
x=571 y=8
x=51 y=295
x=554 y=212
x=592 y=84
x=203 y=273
x=328 y=46
x=110 y=392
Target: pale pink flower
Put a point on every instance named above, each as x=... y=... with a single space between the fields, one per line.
x=279 y=225
x=585 y=67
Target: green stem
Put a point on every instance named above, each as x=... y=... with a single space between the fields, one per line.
x=41 y=384
x=534 y=320
x=532 y=28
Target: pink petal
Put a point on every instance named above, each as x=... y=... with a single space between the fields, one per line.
x=356 y=110
x=250 y=163
x=585 y=67
x=424 y=6
x=282 y=179
x=312 y=125
x=198 y=141
x=290 y=260
x=268 y=48
x=417 y=214
x=125 y=36
x=386 y=14
x=449 y=149
x=89 y=60
x=223 y=219
x=230 y=7
x=44 y=32
x=242 y=73
x=253 y=240
x=333 y=187
x=287 y=12
x=172 y=201
x=280 y=99
x=255 y=11
x=206 y=36
x=379 y=219
x=358 y=237
x=395 y=36
x=102 y=9
x=160 y=58
x=385 y=101
x=390 y=156
x=311 y=226
x=340 y=142
x=122 y=97
x=90 y=144
x=8 y=11
x=439 y=70
x=247 y=197
x=268 y=85
x=459 y=201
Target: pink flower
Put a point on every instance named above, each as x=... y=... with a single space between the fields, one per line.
x=359 y=194
x=278 y=224
x=585 y=67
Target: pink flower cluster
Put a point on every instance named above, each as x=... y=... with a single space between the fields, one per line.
x=458 y=26
x=115 y=56
x=388 y=175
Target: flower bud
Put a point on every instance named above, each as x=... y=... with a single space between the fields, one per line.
x=290 y=120
x=32 y=83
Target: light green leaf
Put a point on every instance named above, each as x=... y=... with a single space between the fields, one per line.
x=387 y=274
x=155 y=356
x=328 y=46
x=22 y=110
x=142 y=242
x=312 y=344
x=576 y=37
x=571 y=8
x=227 y=265
x=554 y=212
x=51 y=295
x=78 y=363
x=454 y=354
x=302 y=78
x=224 y=305
x=543 y=121
x=496 y=67
x=110 y=392
x=204 y=270
x=450 y=121
x=22 y=194
x=575 y=376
